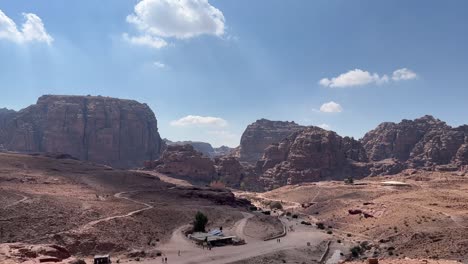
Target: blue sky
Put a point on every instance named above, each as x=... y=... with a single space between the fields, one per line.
x=345 y=65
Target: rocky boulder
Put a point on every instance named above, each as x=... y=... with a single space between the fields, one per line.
x=261 y=134
x=185 y=161
x=120 y=133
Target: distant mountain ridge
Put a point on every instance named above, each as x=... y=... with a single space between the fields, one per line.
x=203 y=147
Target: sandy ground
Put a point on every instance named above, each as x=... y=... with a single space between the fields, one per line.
x=428 y=218
x=93 y=209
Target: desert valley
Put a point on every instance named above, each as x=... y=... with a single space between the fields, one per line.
x=90 y=175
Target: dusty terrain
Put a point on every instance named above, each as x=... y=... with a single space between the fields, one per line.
x=91 y=209
x=427 y=217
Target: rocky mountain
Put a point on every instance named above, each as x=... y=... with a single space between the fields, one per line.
x=311 y=154
x=223 y=151
x=120 y=133
x=6 y=116
x=203 y=147
x=185 y=161
x=262 y=133
x=421 y=143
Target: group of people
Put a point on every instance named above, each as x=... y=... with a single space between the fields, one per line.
x=278 y=240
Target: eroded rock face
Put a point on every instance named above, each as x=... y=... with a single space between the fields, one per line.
x=424 y=142
x=6 y=116
x=311 y=154
x=203 y=147
x=120 y=133
x=261 y=134
x=229 y=171
x=185 y=161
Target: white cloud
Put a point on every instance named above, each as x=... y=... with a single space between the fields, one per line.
x=145 y=40
x=325 y=126
x=159 y=64
x=331 y=107
x=32 y=30
x=404 y=74
x=359 y=77
x=180 y=19
x=193 y=120
x=354 y=77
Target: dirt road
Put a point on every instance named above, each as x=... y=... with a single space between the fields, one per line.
x=191 y=253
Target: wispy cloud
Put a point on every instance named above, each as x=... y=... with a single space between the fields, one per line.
x=32 y=30
x=404 y=74
x=331 y=107
x=358 y=77
x=194 y=120
x=159 y=64
x=354 y=77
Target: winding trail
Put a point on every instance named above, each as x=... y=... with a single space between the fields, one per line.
x=239 y=226
x=24 y=198
x=120 y=196
x=95 y=222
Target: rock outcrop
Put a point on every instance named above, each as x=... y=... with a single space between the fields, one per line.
x=203 y=147
x=311 y=154
x=6 y=116
x=185 y=161
x=223 y=151
x=425 y=142
x=261 y=134
x=120 y=133
x=229 y=171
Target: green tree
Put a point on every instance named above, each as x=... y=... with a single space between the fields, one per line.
x=200 y=222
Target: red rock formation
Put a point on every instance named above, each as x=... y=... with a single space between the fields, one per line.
x=229 y=171
x=259 y=135
x=311 y=154
x=120 y=133
x=185 y=161
x=423 y=142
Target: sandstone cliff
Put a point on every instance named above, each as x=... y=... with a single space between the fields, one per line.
x=425 y=142
x=260 y=134
x=120 y=133
x=185 y=161
x=6 y=116
x=311 y=154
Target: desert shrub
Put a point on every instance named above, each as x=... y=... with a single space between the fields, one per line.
x=339 y=241
x=320 y=225
x=276 y=205
x=266 y=212
x=295 y=216
x=329 y=232
x=356 y=251
x=253 y=208
x=200 y=222
x=348 y=235
x=288 y=213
